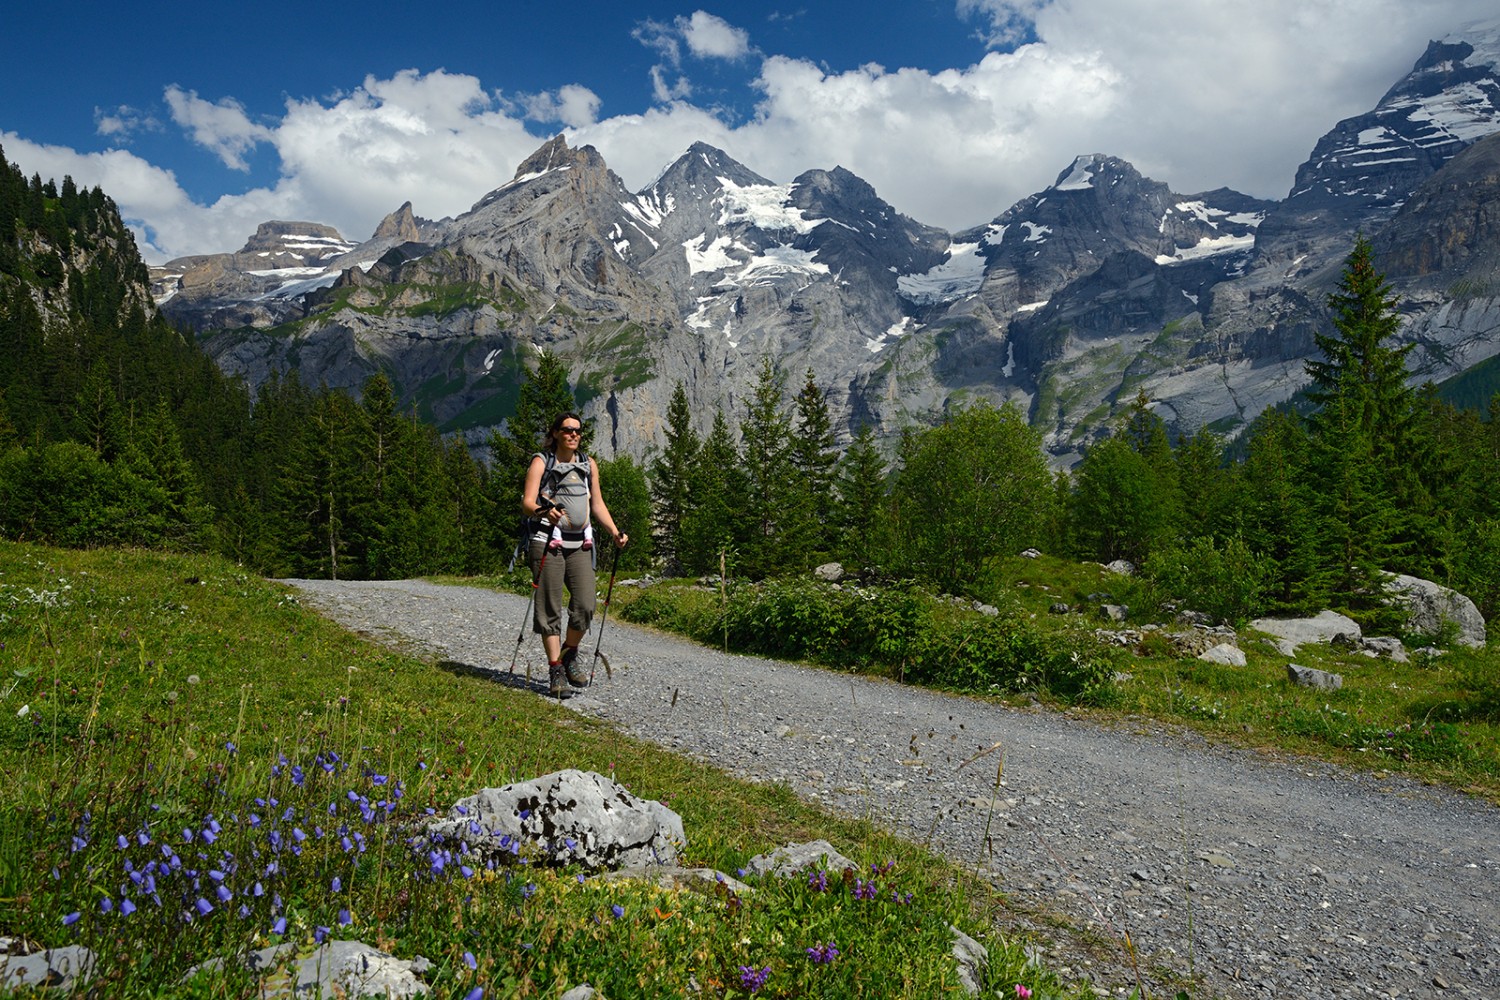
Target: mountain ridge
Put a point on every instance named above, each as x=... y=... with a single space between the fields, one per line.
x=1104 y=284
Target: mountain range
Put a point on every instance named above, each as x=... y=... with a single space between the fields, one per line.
x=1070 y=303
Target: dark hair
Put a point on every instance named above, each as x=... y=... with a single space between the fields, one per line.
x=558 y=422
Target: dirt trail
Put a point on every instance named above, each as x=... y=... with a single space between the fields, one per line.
x=1265 y=877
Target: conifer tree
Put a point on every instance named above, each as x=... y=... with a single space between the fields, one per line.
x=770 y=479
x=156 y=456
x=712 y=524
x=862 y=517
x=671 y=480
x=317 y=486
x=1367 y=491
x=629 y=500
x=470 y=509
x=814 y=463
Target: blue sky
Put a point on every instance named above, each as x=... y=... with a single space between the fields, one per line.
x=203 y=120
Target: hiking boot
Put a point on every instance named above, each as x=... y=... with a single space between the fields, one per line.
x=571 y=668
x=557 y=679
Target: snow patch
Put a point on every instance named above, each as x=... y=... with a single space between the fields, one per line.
x=1208 y=247
x=517 y=181
x=994 y=235
x=961 y=274
x=1200 y=211
x=706 y=259
x=1032 y=306
x=780 y=261
x=763 y=206
x=287 y=272
x=1080 y=178
x=893 y=332
x=1036 y=233
x=649 y=209
x=292 y=289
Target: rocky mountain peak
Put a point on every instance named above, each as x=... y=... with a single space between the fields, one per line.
x=400 y=226
x=555 y=154
x=1362 y=169
x=278 y=235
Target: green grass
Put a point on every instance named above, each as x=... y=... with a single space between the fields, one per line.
x=1435 y=719
x=155 y=696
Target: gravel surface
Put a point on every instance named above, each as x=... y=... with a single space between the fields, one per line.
x=1264 y=876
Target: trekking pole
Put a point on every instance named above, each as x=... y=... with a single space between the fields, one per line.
x=536 y=579
x=604 y=617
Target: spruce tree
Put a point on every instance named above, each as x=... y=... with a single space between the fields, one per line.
x=671 y=480
x=773 y=516
x=814 y=465
x=862 y=518
x=1366 y=494
x=713 y=524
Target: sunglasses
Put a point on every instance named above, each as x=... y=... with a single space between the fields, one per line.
x=570 y=430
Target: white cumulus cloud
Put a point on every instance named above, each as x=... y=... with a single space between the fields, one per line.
x=222 y=127
x=709 y=36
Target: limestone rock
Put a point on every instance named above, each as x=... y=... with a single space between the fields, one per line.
x=794 y=858
x=1430 y=607
x=64 y=969
x=1309 y=677
x=829 y=572
x=674 y=877
x=1225 y=653
x=1293 y=632
x=569 y=816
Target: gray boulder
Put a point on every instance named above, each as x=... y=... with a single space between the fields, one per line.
x=1124 y=567
x=1384 y=647
x=672 y=878
x=794 y=858
x=1293 y=632
x=1225 y=653
x=1430 y=606
x=829 y=572
x=335 y=969
x=569 y=816
x=973 y=961
x=1308 y=677
x=64 y=969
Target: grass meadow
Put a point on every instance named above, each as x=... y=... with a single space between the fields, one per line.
x=197 y=766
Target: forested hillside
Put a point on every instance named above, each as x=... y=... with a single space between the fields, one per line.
x=115 y=428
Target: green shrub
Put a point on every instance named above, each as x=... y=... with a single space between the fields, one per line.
x=899 y=630
x=1229 y=581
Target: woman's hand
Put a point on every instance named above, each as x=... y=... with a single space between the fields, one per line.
x=621 y=538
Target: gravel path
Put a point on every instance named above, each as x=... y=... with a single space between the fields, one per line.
x=1274 y=877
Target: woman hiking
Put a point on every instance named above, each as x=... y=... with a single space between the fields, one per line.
x=562 y=492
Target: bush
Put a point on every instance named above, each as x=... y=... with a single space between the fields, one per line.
x=1229 y=582
x=898 y=630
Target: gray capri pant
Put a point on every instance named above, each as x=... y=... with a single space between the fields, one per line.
x=573 y=568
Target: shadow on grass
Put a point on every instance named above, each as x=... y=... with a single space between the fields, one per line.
x=498 y=675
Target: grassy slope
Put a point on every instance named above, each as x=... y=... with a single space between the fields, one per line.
x=150 y=694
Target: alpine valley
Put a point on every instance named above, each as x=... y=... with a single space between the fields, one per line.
x=1071 y=302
